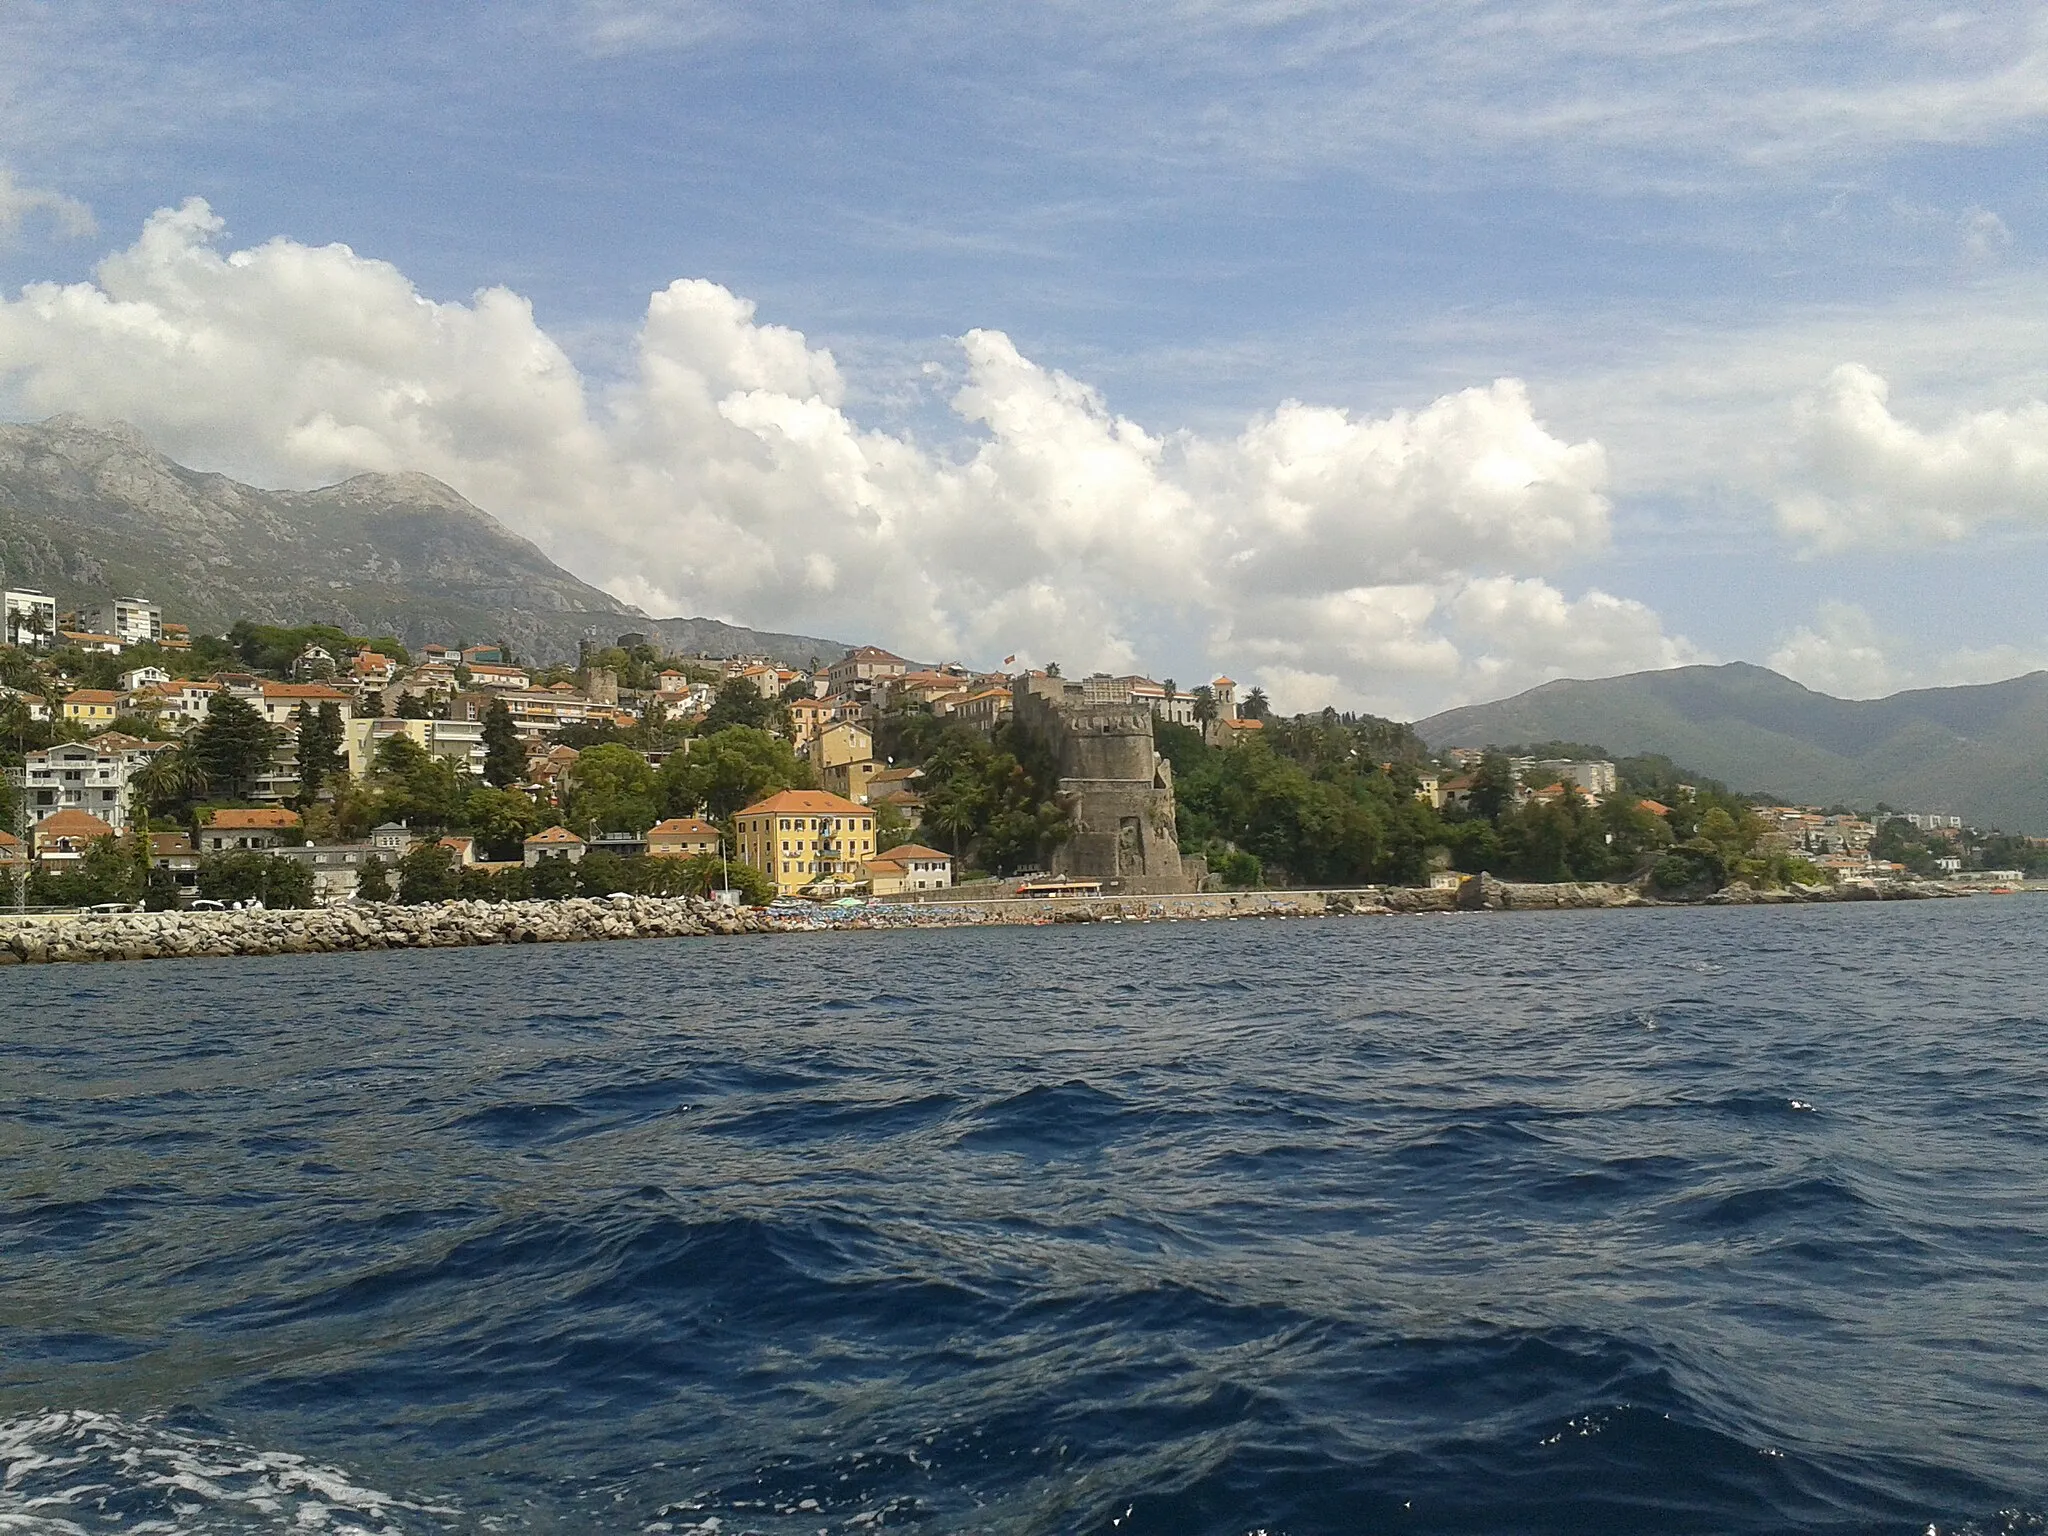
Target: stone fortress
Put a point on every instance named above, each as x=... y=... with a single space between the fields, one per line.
x=1113 y=785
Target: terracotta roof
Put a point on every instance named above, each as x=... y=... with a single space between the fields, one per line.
x=268 y=819
x=805 y=802
x=9 y=840
x=303 y=691
x=91 y=696
x=871 y=653
x=121 y=741
x=890 y=865
x=683 y=826
x=916 y=851
x=71 y=822
x=162 y=843
x=1655 y=808
x=554 y=837
x=86 y=634
x=1224 y=682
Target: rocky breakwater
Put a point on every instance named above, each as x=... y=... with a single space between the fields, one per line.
x=325 y=930
x=1483 y=893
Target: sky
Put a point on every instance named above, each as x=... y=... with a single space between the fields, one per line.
x=1391 y=356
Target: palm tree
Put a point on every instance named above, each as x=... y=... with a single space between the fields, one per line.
x=953 y=814
x=169 y=777
x=1205 y=704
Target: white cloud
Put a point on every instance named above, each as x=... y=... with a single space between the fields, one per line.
x=1864 y=476
x=1844 y=652
x=19 y=204
x=1840 y=653
x=1395 y=562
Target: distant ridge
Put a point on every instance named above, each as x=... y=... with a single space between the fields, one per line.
x=1979 y=752
x=88 y=509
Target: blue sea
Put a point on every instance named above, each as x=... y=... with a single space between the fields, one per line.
x=1641 y=1221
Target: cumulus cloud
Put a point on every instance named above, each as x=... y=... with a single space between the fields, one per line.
x=1841 y=653
x=19 y=204
x=1864 y=476
x=1387 y=562
x=1844 y=652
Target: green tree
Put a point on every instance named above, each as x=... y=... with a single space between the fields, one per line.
x=170 y=779
x=707 y=873
x=602 y=873
x=739 y=702
x=417 y=787
x=1255 y=705
x=321 y=738
x=992 y=799
x=160 y=891
x=1493 y=786
x=427 y=874
x=373 y=882
x=727 y=771
x=246 y=875
x=233 y=746
x=1240 y=871
x=553 y=877
x=611 y=789
x=892 y=827
x=501 y=820
x=504 y=758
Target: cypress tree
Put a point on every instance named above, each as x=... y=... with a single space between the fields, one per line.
x=504 y=760
x=233 y=745
x=320 y=757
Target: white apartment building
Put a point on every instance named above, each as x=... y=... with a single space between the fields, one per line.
x=28 y=619
x=280 y=703
x=130 y=620
x=90 y=776
x=184 y=702
x=1595 y=777
x=461 y=742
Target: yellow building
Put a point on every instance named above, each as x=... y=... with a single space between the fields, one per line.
x=850 y=780
x=91 y=706
x=682 y=837
x=801 y=836
x=840 y=742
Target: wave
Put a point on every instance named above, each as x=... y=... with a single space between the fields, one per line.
x=71 y=1472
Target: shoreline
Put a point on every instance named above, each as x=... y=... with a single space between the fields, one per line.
x=100 y=937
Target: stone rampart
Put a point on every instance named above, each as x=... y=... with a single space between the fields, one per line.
x=1114 y=786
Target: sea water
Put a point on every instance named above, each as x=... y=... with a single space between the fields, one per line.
x=1707 y=1220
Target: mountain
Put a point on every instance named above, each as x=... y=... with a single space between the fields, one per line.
x=90 y=511
x=1979 y=752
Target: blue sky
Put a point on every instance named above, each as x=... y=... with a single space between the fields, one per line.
x=1673 y=224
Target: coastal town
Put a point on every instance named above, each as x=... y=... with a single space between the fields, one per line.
x=303 y=766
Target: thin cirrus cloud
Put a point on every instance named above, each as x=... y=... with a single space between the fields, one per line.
x=1376 y=562
x=1656 y=91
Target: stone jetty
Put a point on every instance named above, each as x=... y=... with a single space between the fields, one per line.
x=324 y=930
x=461 y=924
